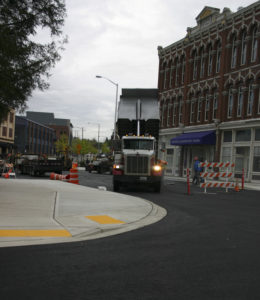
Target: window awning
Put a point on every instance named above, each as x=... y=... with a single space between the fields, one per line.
x=195 y=138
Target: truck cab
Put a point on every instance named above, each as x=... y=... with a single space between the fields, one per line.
x=136 y=163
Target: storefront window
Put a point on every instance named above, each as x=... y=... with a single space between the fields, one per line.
x=256 y=165
x=227 y=136
x=243 y=135
x=257 y=134
x=242 y=158
x=226 y=154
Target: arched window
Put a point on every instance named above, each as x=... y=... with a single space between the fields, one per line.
x=250 y=100
x=164 y=76
x=254 y=45
x=170 y=71
x=192 y=112
x=230 y=103
x=195 y=65
x=169 y=109
x=243 y=48
x=240 y=100
x=174 y=112
x=202 y=62
x=207 y=107
x=182 y=68
x=199 y=108
x=163 y=106
x=218 y=57
x=177 y=72
x=215 y=105
x=180 y=110
x=258 y=106
x=234 y=52
x=210 y=59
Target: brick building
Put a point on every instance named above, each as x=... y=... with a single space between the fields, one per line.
x=209 y=92
x=33 y=138
x=7 y=129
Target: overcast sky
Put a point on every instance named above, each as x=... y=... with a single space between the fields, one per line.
x=117 y=39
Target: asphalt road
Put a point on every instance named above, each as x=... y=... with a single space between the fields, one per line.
x=207 y=247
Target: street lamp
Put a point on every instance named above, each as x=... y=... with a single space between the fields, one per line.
x=116 y=84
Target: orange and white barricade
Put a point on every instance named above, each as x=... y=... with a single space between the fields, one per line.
x=9 y=171
x=226 y=174
x=54 y=176
x=74 y=177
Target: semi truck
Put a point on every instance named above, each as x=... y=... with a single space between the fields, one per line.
x=136 y=146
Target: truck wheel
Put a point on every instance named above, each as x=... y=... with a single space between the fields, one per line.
x=116 y=186
x=157 y=187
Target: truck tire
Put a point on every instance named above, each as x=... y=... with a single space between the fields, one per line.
x=157 y=187
x=116 y=186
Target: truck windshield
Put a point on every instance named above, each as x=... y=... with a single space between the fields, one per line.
x=138 y=144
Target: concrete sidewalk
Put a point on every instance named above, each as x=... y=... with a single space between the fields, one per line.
x=41 y=211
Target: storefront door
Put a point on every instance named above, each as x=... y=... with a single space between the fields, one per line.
x=242 y=160
x=169 y=159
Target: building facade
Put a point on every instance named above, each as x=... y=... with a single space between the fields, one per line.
x=61 y=126
x=209 y=93
x=33 y=138
x=7 y=131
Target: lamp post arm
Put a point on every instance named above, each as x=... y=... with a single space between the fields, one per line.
x=116 y=108
x=99 y=76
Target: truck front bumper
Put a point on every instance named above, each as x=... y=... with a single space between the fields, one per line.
x=134 y=179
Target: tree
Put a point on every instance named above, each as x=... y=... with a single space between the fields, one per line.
x=105 y=148
x=23 y=61
x=62 y=143
x=87 y=146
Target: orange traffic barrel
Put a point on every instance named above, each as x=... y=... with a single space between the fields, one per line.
x=74 y=177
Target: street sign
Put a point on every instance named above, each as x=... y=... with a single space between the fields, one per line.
x=79 y=147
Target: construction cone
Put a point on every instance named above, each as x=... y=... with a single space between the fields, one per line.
x=74 y=177
x=6 y=175
x=237 y=186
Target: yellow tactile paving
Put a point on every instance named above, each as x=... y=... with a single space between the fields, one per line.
x=104 y=219
x=33 y=233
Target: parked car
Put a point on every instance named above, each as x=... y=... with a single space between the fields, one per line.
x=101 y=165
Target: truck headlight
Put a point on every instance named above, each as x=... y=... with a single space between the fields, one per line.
x=117 y=167
x=157 y=168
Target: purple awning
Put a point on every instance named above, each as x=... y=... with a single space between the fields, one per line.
x=195 y=138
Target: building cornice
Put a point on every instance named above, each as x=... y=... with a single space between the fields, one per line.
x=223 y=22
x=240 y=123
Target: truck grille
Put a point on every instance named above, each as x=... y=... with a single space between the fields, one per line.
x=137 y=165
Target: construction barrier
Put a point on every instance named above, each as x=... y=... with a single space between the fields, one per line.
x=209 y=175
x=54 y=176
x=74 y=177
x=8 y=171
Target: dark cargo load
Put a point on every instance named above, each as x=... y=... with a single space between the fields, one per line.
x=149 y=117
